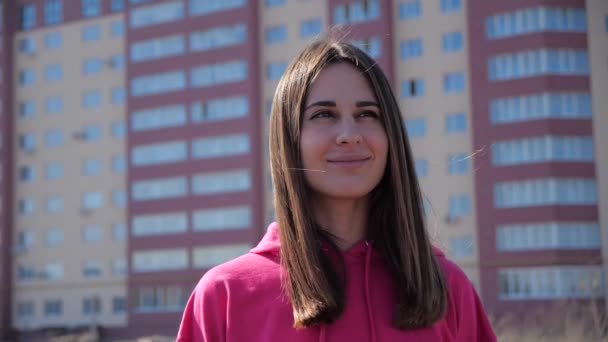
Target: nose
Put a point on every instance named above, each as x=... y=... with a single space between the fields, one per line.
x=348 y=133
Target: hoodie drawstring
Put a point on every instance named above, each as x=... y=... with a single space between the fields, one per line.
x=322 y=335
x=370 y=320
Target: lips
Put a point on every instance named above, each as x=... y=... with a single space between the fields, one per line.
x=348 y=159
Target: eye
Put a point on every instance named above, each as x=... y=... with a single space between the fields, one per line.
x=369 y=113
x=322 y=114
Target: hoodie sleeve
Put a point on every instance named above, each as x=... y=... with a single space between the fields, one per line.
x=473 y=322
x=204 y=318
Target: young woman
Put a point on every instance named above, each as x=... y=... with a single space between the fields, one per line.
x=350 y=258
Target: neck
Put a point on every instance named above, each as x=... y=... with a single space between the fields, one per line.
x=344 y=219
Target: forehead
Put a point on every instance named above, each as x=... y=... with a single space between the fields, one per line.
x=340 y=81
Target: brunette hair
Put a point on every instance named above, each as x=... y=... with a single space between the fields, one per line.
x=395 y=220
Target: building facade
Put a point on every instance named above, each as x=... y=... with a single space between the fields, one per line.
x=134 y=150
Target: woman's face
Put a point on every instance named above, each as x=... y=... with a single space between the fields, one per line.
x=343 y=142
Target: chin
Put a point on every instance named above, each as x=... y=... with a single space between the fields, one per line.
x=345 y=191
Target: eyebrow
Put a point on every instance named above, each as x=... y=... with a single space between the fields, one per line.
x=333 y=104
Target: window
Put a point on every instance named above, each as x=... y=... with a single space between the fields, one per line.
x=53 y=12
x=27 y=109
x=91 y=167
x=27 y=174
x=54 y=237
x=160 y=153
x=548 y=235
x=452 y=42
x=25 y=309
x=202 y=7
x=356 y=12
x=161 y=299
x=53 y=308
x=118 y=95
x=54 y=137
x=410 y=9
x=543 y=149
x=27 y=45
x=119 y=232
x=219 y=73
x=372 y=46
x=119 y=305
x=91 y=66
x=91 y=99
x=422 y=167
x=459 y=205
x=54 y=104
x=537 y=63
x=455 y=122
x=117 y=5
x=26 y=206
x=220 y=146
x=92 y=200
x=92 y=133
x=27 y=142
x=159 y=188
x=158 y=117
x=119 y=198
x=54 y=271
x=221 y=182
x=157 y=48
x=310 y=27
x=453 y=82
x=25 y=273
x=415 y=127
x=450 y=5
x=91 y=269
x=119 y=267
x=412 y=88
x=159 y=224
x=26 y=239
x=275 y=70
x=54 y=170
x=411 y=48
x=540 y=106
x=219 y=219
x=54 y=204
x=458 y=163
x=91 y=8
x=461 y=246
x=156 y=14
x=119 y=129
x=91 y=305
x=207 y=257
x=117 y=28
x=27 y=15
x=545 y=192
x=119 y=163
x=92 y=233
x=53 y=40
x=159 y=260
x=225 y=108
x=27 y=77
x=53 y=72
x=90 y=33
x=117 y=62
x=537 y=19
x=276 y=34
x=218 y=37
x=158 y=83
x=273 y=3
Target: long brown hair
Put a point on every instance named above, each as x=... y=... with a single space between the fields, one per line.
x=396 y=213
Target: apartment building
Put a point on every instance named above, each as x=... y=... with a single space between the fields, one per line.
x=134 y=151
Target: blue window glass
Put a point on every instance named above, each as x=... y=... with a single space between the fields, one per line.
x=27 y=45
x=119 y=130
x=458 y=164
x=459 y=205
x=453 y=82
x=91 y=66
x=27 y=77
x=276 y=34
x=27 y=17
x=53 y=12
x=91 y=8
x=274 y=71
x=450 y=5
x=91 y=33
x=92 y=132
x=456 y=123
x=410 y=9
x=422 y=167
x=53 y=40
x=54 y=104
x=91 y=99
x=117 y=62
x=273 y=3
x=452 y=41
x=117 y=5
x=415 y=127
x=412 y=88
x=54 y=137
x=53 y=72
x=411 y=48
x=118 y=28
x=27 y=109
x=310 y=27
x=118 y=95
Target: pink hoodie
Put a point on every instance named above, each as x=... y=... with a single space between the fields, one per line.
x=242 y=300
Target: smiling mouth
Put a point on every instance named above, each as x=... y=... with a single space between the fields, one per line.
x=349 y=162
